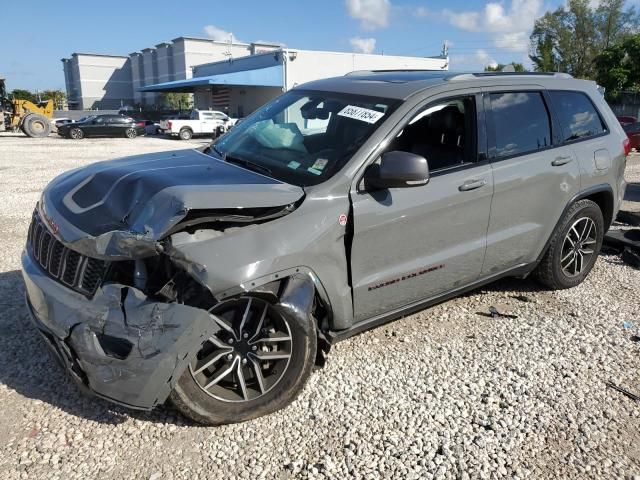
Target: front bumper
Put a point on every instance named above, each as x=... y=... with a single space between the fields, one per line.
x=120 y=345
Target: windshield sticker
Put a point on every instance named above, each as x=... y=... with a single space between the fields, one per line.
x=293 y=164
x=315 y=171
x=320 y=163
x=362 y=114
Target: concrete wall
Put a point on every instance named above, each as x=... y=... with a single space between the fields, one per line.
x=245 y=100
x=137 y=76
x=242 y=100
x=306 y=65
x=106 y=81
x=98 y=81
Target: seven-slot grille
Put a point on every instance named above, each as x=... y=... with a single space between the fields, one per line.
x=80 y=273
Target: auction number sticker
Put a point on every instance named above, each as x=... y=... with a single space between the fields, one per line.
x=362 y=114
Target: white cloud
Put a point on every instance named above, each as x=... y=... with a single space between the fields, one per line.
x=371 y=13
x=218 y=34
x=509 y=29
x=475 y=61
x=421 y=12
x=363 y=45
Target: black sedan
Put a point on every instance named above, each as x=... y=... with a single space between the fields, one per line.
x=102 y=126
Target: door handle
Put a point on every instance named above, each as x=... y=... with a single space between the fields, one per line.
x=561 y=161
x=472 y=185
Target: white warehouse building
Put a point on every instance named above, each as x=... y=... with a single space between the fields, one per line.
x=241 y=85
x=233 y=77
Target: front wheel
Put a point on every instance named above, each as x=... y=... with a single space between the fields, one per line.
x=76 y=133
x=256 y=364
x=574 y=247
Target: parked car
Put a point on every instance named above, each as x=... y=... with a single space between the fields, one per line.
x=151 y=127
x=201 y=122
x=102 y=126
x=626 y=120
x=218 y=279
x=633 y=132
x=56 y=122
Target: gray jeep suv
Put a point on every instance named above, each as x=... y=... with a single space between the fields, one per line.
x=218 y=279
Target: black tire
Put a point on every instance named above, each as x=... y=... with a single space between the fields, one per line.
x=76 y=133
x=556 y=269
x=130 y=133
x=203 y=406
x=186 y=134
x=36 y=126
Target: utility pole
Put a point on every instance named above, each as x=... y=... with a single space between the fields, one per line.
x=445 y=48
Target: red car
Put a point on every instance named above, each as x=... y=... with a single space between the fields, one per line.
x=626 y=120
x=633 y=132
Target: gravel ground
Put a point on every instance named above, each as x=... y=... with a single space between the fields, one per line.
x=445 y=393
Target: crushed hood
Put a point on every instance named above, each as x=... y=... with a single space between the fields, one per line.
x=120 y=208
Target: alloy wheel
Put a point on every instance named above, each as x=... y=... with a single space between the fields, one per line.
x=578 y=247
x=248 y=356
x=131 y=133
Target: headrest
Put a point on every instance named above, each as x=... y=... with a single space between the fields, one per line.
x=451 y=119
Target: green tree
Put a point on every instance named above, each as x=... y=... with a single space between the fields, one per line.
x=21 y=94
x=176 y=101
x=58 y=97
x=618 y=67
x=613 y=23
x=569 y=38
x=518 y=67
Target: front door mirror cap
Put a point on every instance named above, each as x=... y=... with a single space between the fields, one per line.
x=398 y=169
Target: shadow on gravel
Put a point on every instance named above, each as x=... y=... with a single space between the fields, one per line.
x=27 y=367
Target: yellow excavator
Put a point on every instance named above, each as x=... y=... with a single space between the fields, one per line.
x=34 y=120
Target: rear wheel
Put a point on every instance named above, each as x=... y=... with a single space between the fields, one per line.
x=130 y=133
x=574 y=247
x=186 y=134
x=256 y=364
x=76 y=133
x=35 y=125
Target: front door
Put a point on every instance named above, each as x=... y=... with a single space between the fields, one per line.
x=414 y=243
x=208 y=123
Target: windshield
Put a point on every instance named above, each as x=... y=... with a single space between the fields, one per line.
x=304 y=138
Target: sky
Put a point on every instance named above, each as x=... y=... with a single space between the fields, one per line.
x=478 y=32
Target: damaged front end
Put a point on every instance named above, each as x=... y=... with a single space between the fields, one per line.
x=121 y=306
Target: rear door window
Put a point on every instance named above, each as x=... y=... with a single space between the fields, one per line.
x=578 y=117
x=521 y=123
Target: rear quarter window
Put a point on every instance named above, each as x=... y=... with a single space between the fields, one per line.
x=578 y=116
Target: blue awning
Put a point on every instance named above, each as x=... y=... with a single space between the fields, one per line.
x=261 y=77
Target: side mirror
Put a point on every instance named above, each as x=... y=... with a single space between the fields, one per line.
x=396 y=170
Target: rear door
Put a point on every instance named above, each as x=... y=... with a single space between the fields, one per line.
x=411 y=244
x=535 y=175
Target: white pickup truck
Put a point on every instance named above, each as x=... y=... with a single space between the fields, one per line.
x=200 y=122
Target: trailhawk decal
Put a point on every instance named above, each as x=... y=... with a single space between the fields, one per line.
x=362 y=114
x=404 y=277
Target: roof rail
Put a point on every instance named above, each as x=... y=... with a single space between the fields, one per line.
x=470 y=76
x=358 y=72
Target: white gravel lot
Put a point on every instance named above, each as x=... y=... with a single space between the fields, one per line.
x=445 y=393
